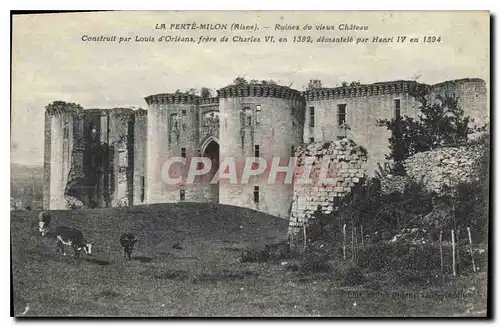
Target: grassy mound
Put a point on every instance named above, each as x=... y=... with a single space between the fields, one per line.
x=189 y=242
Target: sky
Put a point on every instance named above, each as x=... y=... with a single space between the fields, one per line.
x=50 y=62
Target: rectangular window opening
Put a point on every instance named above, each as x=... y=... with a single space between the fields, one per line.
x=311 y=116
x=183 y=152
x=182 y=195
x=184 y=118
x=341 y=114
x=397 y=108
x=311 y=140
x=256 y=194
x=256 y=151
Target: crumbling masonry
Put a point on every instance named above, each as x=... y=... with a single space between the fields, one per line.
x=114 y=157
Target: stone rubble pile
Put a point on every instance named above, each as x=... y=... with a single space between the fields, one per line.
x=436 y=169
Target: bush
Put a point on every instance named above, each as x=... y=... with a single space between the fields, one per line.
x=423 y=258
x=313 y=261
x=270 y=252
x=387 y=256
x=278 y=251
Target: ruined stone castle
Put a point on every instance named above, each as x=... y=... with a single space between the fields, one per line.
x=115 y=157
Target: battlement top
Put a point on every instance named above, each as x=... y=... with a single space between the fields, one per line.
x=279 y=91
x=172 y=98
x=361 y=90
x=141 y=112
x=460 y=81
x=61 y=107
x=259 y=90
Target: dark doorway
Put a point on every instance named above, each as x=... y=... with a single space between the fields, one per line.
x=211 y=191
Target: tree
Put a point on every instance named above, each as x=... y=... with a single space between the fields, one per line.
x=314 y=84
x=473 y=198
x=205 y=92
x=352 y=83
x=439 y=123
x=240 y=81
x=268 y=83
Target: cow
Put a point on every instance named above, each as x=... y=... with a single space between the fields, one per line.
x=43 y=222
x=74 y=238
x=127 y=241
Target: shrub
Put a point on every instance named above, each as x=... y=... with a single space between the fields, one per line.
x=421 y=259
x=313 y=261
x=270 y=252
x=277 y=251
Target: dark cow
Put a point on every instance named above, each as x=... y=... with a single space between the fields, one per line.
x=43 y=222
x=74 y=238
x=127 y=241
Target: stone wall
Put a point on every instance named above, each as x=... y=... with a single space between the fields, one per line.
x=186 y=124
x=140 y=141
x=269 y=119
x=59 y=160
x=364 y=105
x=172 y=131
x=345 y=162
x=437 y=169
x=472 y=97
x=121 y=140
x=445 y=166
x=47 y=162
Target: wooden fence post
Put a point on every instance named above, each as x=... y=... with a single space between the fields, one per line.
x=441 y=250
x=305 y=237
x=453 y=250
x=355 y=244
x=352 y=243
x=343 y=241
x=470 y=248
x=458 y=250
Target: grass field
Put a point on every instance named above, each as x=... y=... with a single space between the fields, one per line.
x=204 y=277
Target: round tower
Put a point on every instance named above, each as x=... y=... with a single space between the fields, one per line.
x=172 y=132
x=471 y=94
x=264 y=121
x=61 y=121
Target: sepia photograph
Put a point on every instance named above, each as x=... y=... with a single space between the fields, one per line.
x=250 y=164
